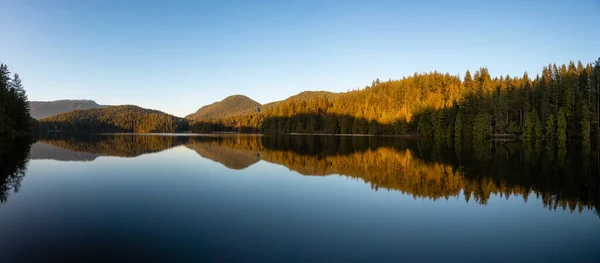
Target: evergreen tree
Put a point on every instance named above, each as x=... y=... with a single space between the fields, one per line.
x=14 y=108
x=425 y=127
x=481 y=128
x=550 y=127
x=440 y=127
x=561 y=127
x=458 y=128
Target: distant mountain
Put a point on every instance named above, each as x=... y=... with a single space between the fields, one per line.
x=44 y=109
x=231 y=106
x=125 y=118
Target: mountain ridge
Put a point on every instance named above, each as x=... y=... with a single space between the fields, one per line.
x=233 y=105
x=244 y=105
x=44 y=109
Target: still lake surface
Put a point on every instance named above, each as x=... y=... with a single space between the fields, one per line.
x=295 y=198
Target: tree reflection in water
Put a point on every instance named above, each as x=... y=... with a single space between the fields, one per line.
x=563 y=177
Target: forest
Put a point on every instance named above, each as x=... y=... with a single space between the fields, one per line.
x=14 y=108
x=561 y=103
x=126 y=118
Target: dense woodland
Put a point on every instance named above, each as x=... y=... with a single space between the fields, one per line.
x=125 y=118
x=560 y=103
x=14 y=108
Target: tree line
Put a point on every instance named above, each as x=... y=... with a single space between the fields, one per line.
x=126 y=118
x=14 y=108
x=560 y=103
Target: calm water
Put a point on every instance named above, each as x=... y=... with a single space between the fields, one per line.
x=295 y=198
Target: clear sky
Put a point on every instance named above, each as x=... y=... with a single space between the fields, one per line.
x=176 y=56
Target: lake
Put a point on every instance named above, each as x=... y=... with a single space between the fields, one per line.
x=250 y=198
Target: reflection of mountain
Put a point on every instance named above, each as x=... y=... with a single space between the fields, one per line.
x=119 y=145
x=43 y=151
x=225 y=151
x=393 y=164
x=397 y=164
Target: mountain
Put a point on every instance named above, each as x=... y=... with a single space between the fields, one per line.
x=44 y=109
x=231 y=106
x=240 y=105
x=125 y=118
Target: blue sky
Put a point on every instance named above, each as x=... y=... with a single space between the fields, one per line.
x=176 y=56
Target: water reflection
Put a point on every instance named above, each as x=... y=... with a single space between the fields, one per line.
x=563 y=178
x=117 y=145
x=14 y=156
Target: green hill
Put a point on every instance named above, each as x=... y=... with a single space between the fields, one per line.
x=126 y=118
x=240 y=105
x=231 y=106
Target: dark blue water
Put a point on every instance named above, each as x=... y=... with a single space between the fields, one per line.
x=307 y=199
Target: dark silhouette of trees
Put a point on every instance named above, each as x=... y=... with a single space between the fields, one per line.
x=14 y=108
x=14 y=156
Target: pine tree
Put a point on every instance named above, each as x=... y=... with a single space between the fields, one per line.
x=458 y=125
x=585 y=124
x=550 y=127
x=561 y=127
x=14 y=108
x=481 y=127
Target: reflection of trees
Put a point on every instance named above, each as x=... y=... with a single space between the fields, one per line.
x=118 y=145
x=14 y=156
x=562 y=177
x=427 y=171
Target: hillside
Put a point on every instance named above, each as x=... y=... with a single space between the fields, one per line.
x=44 y=109
x=440 y=107
x=126 y=118
x=231 y=106
x=305 y=95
